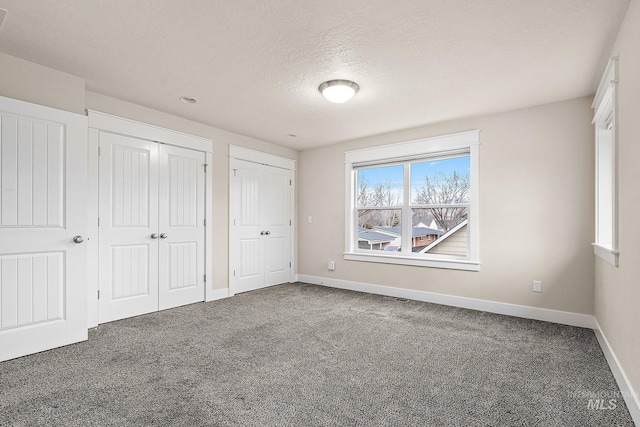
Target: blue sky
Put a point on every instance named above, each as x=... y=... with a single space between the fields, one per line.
x=419 y=171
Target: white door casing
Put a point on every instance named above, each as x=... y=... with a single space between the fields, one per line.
x=42 y=191
x=261 y=220
x=128 y=200
x=181 y=227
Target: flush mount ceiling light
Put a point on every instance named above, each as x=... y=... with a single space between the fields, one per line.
x=188 y=100
x=338 y=91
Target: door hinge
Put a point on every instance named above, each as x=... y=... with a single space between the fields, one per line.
x=205 y=167
x=98 y=221
x=290 y=182
x=98 y=151
x=205 y=278
x=235 y=171
x=98 y=293
x=289 y=265
x=204 y=222
x=234 y=273
x=289 y=222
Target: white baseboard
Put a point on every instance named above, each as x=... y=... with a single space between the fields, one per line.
x=562 y=317
x=217 y=294
x=628 y=393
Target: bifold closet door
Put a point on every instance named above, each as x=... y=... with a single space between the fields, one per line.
x=43 y=276
x=128 y=229
x=181 y=226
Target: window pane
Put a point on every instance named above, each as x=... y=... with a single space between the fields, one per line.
x=441 y=231
x=380 y=229
x=439 y=182
x=604 y=200
x=380 y=186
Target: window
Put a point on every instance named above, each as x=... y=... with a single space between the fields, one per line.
x=414 y=203
x=604 y=120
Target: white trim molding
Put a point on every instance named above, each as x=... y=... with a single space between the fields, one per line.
x=629 y=395
x=121 y=125
x=606 y=254
x=409 y=150
x=527 y=312
x=395 y=258
x=259 y=157
x=208 y=214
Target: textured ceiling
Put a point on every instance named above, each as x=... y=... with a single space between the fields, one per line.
x=255 y=66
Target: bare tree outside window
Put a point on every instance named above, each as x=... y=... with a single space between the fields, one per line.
x=445 y=189
x=381 y=195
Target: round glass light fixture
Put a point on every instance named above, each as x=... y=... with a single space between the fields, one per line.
x=338 y=91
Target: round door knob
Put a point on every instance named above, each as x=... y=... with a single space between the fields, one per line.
x=163 y=236
x=267 y=232
x=78 y=239
x=262 y=233
x=154 y=236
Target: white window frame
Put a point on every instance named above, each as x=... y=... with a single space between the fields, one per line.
x=423 y=149
x=606 y=175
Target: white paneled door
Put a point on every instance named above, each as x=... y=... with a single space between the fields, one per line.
x=181 y=227
x=128 y=231
x=260 y=203
x=151 y=226
x=42 y=224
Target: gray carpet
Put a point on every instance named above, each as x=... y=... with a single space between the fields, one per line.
x=303 y=355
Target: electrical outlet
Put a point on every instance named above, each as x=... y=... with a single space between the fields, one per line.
x=332 y=265
x=537 y=286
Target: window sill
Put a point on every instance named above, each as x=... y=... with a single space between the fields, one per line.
x=414 y=261
x=607 y=254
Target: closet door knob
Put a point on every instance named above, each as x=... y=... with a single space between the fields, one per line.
x=154 y=236
x=78 y=239
x=267 y=232
x=163 y=236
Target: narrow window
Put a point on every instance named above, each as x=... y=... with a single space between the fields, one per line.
x=604 y=120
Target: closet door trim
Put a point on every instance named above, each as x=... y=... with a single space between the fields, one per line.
x=108 y=122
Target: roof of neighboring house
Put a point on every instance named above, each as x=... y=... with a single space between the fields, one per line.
x=415 y=231
x=373 y=236
x=445 y=236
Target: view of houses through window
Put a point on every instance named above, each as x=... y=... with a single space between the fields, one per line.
x=433 y=193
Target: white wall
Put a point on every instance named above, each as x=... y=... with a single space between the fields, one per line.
x=536 y=211
x=34 y=83
x=617 y=290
